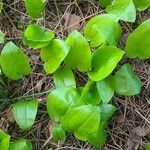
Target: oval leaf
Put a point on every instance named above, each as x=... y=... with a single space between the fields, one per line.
x=21 y=145
x=79 y=49
x=60 y=100
x=105 y=89
x=138 y=43
x=102 y=29
x=142 y=4
x=35 y=8
x=54 y=54
x=36 y=37
x=4 y=140
x=126 y=82
x=80 y=120
x=14 y=62
x=123 y=10
x=104 y=60
x=64 y=77
x=58 y=133
x=25 y=113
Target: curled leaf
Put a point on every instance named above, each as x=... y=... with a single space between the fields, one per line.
x=123 y=10
x=54 y=54
x=104 y=61
x=14 y=62
x=36 y=37
x=79 y=49
x=102 y=29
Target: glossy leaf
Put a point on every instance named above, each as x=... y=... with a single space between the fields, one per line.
x=126 y=82
x=1 y=37
x=54 y=54
x=79 y=55
x=25 y=113
x=90 y=93
x=104 y=3
x=83 y=120
x=14 y=62
x=142 y=4
x=102 y=29
x=4 y=140
x=21 y=144
x=58 y=133
x=64 y=77
x=123 y=10
x=138 y=43
x=60 y=100
x=99 y=138
x=104 y=60
x=105 y=89
x=35 y=9
x=37 y=37
x=106 y=112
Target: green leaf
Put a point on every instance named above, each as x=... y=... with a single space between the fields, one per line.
x=58 y=133
x=90 y=93
x=123 y=10
x=1 y=6
x=102 y=29
x=64 y=77
x=104 y=61
x=79 y=49
x=1 y=37
x=4 y=140
x=105 y=89
x=106 y=111
x=99 y=138
x=25 y=113
x=54 y=54
x=21 y=144
x=83 y=121
x=147 y=147
x=142 y=4
x=37 y=37
x=60 y=100
x=138 y=43
x=14 y=62
x=126 y=82
x=104 y=3
x=35 y=8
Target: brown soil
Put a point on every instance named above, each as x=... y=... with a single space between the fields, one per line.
x=129 y=129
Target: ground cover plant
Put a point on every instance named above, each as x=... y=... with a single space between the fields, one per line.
x=82 y=110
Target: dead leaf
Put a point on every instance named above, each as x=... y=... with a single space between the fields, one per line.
x=10 y=117
x=72 y=21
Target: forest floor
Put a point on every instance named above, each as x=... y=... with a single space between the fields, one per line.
x=129 y=129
